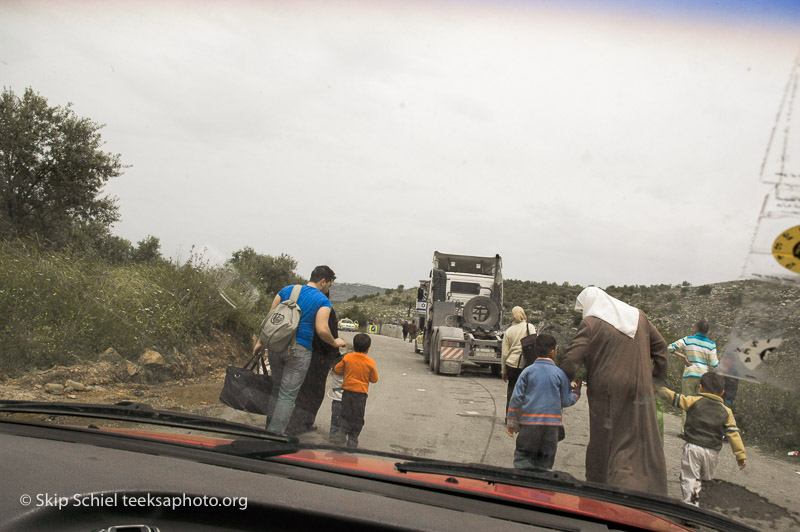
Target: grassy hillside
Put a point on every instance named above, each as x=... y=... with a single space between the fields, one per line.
x=64 y=307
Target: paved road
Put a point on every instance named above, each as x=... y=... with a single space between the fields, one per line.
x=412 y=411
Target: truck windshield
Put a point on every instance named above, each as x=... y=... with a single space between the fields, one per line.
x=459 y=287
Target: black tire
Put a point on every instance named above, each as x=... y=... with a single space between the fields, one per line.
x=481 y=311
x=426 y=347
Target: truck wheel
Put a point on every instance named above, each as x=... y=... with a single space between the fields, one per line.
x=481 y=310
x=426 y=347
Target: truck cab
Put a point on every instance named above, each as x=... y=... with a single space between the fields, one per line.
x=463 y=304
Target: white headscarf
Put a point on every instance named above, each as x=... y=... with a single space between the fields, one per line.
x=595 y=302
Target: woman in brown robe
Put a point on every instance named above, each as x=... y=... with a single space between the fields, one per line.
x=624 y=355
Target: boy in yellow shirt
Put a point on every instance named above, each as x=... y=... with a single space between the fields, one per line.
x=707 y=421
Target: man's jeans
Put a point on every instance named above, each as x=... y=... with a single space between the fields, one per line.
x=288 y=373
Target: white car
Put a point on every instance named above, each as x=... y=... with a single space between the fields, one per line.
x=347 y=325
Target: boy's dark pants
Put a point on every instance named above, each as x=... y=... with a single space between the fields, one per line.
x=352 y=417
x=536 y=446
x=337 y=434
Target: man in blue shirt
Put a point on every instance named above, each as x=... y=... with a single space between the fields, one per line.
x=289 y=367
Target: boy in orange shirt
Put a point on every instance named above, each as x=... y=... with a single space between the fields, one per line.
x=358 y=370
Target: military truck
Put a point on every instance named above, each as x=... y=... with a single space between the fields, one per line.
x=462 y=302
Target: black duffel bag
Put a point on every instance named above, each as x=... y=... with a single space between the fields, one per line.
x=244 y=389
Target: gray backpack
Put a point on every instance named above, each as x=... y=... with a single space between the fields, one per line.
x=279 y=329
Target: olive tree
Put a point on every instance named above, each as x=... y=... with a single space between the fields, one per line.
x=267 y=273
x=52 y=170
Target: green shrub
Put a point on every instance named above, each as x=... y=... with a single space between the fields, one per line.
x=59 y=306
x=735 y=299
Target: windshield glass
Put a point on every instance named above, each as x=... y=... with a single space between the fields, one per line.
x=170 y=171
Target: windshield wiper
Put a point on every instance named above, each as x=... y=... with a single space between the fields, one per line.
x=565 y=483
x=142 y=413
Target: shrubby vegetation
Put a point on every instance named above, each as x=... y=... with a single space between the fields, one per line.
x=70 y=288
x=58 y=307
x=265 y=274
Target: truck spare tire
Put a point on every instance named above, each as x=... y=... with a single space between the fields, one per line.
x=481 y=311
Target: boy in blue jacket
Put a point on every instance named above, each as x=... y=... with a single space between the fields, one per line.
x=535 y=407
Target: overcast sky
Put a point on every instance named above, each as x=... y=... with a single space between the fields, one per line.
x=587 y=144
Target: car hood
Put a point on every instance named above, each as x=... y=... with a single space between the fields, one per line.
x=384 y=467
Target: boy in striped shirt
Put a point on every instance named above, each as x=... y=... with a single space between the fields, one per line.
x=699 y=356
x=535 y=408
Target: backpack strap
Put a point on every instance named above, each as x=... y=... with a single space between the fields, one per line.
x=295 y=293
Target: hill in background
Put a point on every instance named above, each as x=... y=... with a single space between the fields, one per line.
x=345 y=291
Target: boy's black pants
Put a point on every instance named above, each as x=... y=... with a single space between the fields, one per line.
x=536 y=446
x=336 y=435
x=352 y=417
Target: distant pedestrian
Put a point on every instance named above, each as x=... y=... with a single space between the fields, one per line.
x=624 y=355
x=289 y=367
x=708 y=423
x=511 y=360
x=412 y=331
x=405 y=330
x=542 y=390
x=699 y=357
x=358 y=370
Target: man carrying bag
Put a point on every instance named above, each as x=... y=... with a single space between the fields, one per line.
x=289 y=365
